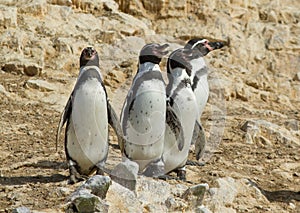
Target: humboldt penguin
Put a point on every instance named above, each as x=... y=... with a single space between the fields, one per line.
x=144 y=113
x=182 y=100
x=87 y=114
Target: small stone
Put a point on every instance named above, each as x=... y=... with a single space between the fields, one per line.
x=125 y=173
x=202 y=209
x=290 y=124
x=297 y=77
x=41 y=85
x=195 y=194
x=87 y=203
x=21 y=209
x=98 y=185
x=171 y=203
x=32 y=70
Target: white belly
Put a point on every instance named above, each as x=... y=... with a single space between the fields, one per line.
x=87 y=138
x=145 y=128
x=202 y=93
x=186 y=110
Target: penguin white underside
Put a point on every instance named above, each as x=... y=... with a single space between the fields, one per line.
x=200 y=83
x=144 y=128
x=87 y=135
x=186 y=110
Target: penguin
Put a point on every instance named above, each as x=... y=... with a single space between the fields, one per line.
x=87 y=114
x=181 y=99
x=144 y=113
x=200 y=85
x=200 y=70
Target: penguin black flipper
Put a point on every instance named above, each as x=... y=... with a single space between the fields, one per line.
x=115 y=124
x=63 y=118
x=174 y=123
x=199 y=140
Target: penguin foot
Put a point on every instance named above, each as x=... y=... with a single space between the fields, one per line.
x=194 y=163
x=74 y=176
x=181 y=174
x=99 y=171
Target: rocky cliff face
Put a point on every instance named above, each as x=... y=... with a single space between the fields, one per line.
x=252 y=118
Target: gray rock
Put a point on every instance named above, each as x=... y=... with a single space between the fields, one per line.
x=195 y=194
x=97 y=185
x=202 y=209
x=125 y=173
x=41 y=85
x=292 y=124
x=119 y=197
x=152 y=193
x=87 y=202
x=21 y=209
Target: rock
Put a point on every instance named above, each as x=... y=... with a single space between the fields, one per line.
x=3 y=91
x=61 y=2
x=41 y=85
x=265 y=132
x=297 y=77
x=125 y=173
x=87 y=202
x=202 y=209
x=22 y=66
x=34 y=7
x=119 y=197
x=154 y=192
x=292 y=124
x=21 y=209
x=195 y=194
x=97 y=185
x=8 y=17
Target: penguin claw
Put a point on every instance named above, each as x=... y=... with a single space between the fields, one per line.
x=74 y=176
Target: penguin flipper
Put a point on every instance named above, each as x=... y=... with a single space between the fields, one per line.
x=199 y=139
x=174 y=123
x=63 y=118
x=115 y=124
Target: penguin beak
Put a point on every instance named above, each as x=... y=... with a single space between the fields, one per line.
x=214 y=45
x=89 y=53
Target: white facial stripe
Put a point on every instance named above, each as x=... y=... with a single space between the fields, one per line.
x=199 y=42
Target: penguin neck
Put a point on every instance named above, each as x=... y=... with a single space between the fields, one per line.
x=148 y=66
x=177 y=76
x=197 y=65
x=84 y=68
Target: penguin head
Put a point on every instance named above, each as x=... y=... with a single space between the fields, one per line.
x=153 y=53
x=89 y=57
x=203 y=45
x=181 y=58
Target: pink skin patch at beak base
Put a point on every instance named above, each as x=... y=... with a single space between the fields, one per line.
x=208 y=46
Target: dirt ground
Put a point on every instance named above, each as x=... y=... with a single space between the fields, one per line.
x=33 y=173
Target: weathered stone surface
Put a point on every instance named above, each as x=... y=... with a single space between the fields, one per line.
x=97 y=185
x=125 y=173
x=34 y=7
x=195 y=194
x=264 y=131
x=21 y=209
x=86 y=202
x=8 y=17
